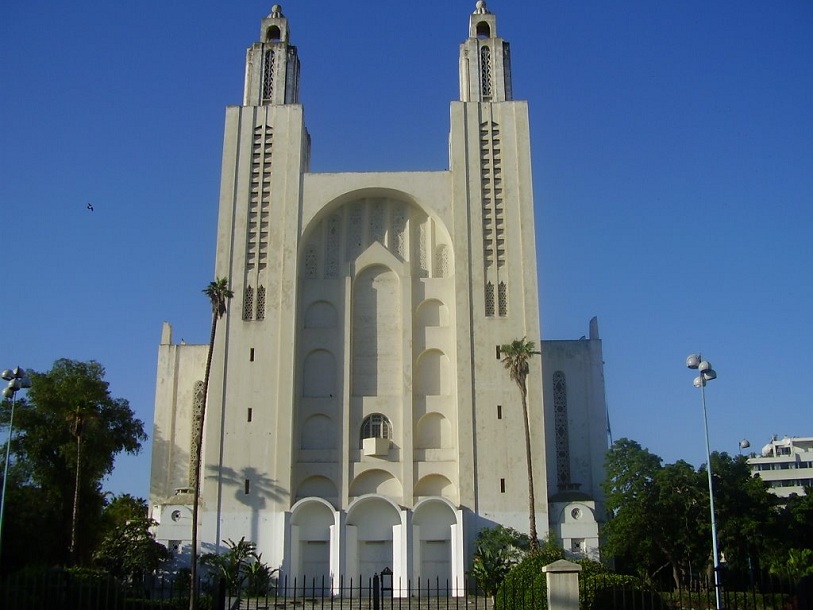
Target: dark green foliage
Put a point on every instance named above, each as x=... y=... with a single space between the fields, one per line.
x=71 y=400
x=130 y=551
x=241 y=567
x=660 y=521
x=525 y=585
x=497 y=549
x=607 y=591
x=746 y=511
x=489 y=568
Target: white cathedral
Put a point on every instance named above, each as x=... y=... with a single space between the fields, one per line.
x=358 y=415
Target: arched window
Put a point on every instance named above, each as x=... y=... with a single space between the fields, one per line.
x=483 y=30
x=273 y=34
x=376 y=426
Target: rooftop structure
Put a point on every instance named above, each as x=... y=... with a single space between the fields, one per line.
x=786 y=465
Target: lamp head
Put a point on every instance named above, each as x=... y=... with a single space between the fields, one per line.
x=693 y=361
x=699 y=381
x=744 y=444
x=8 y=375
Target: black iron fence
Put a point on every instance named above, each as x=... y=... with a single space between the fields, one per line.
x=93 y=590
x=607 y=592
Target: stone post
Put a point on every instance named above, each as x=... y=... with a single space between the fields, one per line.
x=563 y=585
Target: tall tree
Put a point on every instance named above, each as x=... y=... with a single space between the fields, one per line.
x=746 y=512
x=72 y=401
x=516 y=356
x=218 y=294
x=630 y=494
x=659 y=513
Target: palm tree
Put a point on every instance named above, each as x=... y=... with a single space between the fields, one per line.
x=218 y=293
x=515 y=358
x=77 y=423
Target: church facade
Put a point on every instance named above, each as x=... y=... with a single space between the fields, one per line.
x=358 y=413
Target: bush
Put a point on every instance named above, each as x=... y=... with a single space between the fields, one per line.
x=525 y=587
x=604 y=590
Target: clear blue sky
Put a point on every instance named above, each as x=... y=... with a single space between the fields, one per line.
x=673 y=168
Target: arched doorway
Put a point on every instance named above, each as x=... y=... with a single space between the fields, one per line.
x=311 y=524
x=432 y=527
x=373 y=524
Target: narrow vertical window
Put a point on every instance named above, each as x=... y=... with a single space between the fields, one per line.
x=499 y=353
x=489 y=299
x=246 y=487
x=485 y=72
x=499 y=411
x=502 y=299
x=502 y=486
x=248 y=303
x=248 y=417
x=261 y=303
x=268 y=76
x=560 y=425
x=251 y=355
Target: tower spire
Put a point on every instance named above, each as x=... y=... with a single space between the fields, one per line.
x=485 y=60
x=272 y=64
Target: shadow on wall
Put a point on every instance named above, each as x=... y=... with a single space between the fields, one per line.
x=176 y=462
x=250 y=488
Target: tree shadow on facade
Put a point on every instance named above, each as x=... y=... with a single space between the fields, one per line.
x=251 y=488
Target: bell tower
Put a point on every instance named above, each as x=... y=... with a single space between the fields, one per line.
x=490 y=161
x=272 y=65
x=485 y=60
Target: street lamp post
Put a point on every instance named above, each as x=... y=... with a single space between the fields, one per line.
x=695 y=361
x=17 y=380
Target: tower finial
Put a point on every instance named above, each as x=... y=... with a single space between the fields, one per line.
x=480 y=8
x=276 y=11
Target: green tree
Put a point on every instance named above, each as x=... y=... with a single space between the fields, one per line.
x=123 y=508
x=795 y=516
x=660 y=513
x=794 y=564
x=241 y=567
x=629 y=489
x=497 y=549
x=67 y=435
x=682 y=534
x=516 y=356
x=218 y=294
x=129 y=550
x=746 y=512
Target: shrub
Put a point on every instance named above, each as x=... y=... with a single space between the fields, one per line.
x=525 y=586
x=604 y=590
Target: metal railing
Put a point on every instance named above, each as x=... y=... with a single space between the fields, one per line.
x=93 y=590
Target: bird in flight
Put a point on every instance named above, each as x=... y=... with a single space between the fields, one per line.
x=90 y=207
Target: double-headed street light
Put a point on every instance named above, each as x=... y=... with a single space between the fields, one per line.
x=17 y=380
x=695 y=361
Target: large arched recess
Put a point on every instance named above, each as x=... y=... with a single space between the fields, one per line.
x=374 y=528
x=437 y=529
x=311 y=522
x=367 y=193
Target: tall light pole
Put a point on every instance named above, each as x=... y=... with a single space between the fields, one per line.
x=695 y=361
x=17 y=380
